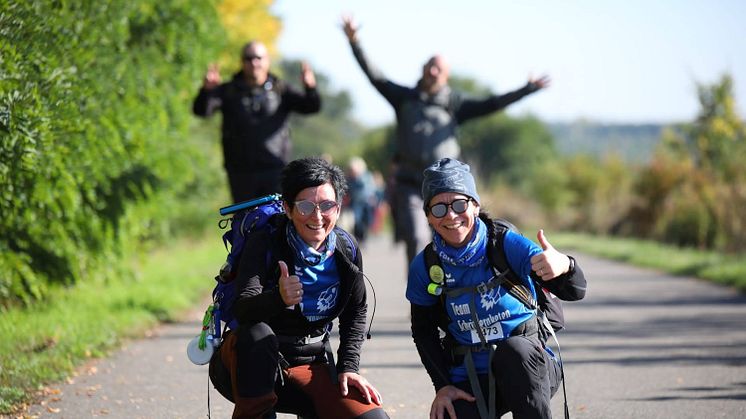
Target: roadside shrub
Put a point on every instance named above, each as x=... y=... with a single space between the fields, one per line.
x=686 y=220
x=600 y=193
x=95 y=156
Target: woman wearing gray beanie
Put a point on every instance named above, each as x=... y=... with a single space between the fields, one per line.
x=478 y=282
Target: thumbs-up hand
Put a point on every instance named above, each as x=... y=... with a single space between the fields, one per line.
x=291 y=290
x=550 y=263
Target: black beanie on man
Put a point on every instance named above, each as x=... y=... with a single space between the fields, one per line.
x=448 y=175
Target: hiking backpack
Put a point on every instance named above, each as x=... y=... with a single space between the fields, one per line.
x=248 y=216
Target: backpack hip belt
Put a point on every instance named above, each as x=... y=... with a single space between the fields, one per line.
x=328 y=354
x=302 y=340
x=528 y=328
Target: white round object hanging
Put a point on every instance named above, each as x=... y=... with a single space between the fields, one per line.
x=199 y=356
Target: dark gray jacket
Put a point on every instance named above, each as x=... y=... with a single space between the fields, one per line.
x=427 y=124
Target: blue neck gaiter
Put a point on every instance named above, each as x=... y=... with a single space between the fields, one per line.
x=306 y=253
x=470 y=255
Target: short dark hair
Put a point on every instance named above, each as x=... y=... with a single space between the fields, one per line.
x=309 y=172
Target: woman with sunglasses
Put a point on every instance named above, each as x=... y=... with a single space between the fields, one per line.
x=490 y=334
x=293 y=282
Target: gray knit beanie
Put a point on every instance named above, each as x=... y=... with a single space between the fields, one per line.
x=448 y=175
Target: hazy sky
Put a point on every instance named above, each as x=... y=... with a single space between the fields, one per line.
x=621 y=61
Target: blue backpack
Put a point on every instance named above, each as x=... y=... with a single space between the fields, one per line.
x=248 y=216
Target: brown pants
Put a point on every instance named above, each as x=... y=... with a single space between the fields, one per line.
x=245 y=368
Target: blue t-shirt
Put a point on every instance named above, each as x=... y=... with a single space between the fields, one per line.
x=497 y=310
x=320 y=288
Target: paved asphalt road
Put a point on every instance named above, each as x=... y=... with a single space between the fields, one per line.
x=641 y=345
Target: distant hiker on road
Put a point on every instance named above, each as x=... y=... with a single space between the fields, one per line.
x=493 y=357
x=363 y=197
x=293 y=281
x=255 y=106
x=427 y=117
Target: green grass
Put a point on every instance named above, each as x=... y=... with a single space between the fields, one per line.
x=45 y=342
x=713 y=266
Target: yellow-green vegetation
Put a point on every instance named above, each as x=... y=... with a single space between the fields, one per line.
x=46 y=342
x=691 y=192
x=710 y=265
x=96 y=151
x=100 y=162
x=246 y=20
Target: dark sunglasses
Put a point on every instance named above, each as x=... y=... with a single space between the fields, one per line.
x=252 y=57
x=305 y=207
x=459 y=206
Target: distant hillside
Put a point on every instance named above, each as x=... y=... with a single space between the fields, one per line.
x=635 y=143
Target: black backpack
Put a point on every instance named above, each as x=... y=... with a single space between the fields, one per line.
x=247 y=217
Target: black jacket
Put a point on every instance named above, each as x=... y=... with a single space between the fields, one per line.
x=259 y=294
x=256 y=136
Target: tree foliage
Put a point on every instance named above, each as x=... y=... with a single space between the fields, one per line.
x=95 y=154
x=506 y=148
x=693 y=191
x=244 y=21
x=333 y=131
x=377 y=147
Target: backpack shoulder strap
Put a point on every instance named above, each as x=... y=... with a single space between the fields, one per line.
x=346 y=244
x=433 y=268
x=495 y=247
x=496 y=230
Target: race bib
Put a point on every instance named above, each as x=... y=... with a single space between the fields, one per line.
x=491 y=333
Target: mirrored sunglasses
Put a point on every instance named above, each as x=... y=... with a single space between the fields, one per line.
x=459 y=206
x=306 y=207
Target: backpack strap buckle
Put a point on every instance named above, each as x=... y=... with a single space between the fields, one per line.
x=482 y=288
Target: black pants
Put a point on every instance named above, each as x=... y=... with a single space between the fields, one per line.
x=250 y=185
x=526 y=378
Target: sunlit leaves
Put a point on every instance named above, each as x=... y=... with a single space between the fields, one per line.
x=95 y=153
x=246 y=20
